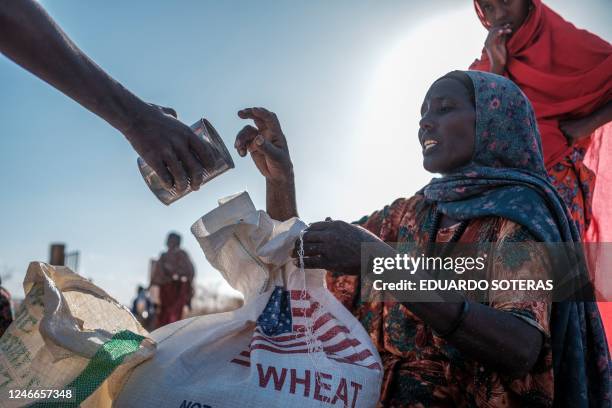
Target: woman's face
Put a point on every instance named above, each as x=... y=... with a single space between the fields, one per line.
x=446 y=129
x=499 y=13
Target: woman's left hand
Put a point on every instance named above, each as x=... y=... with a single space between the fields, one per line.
x=334 y=245
x=576 y=129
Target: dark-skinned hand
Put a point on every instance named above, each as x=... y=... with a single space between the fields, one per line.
x=334 y=245
x=495 y=45
x=267 y=145
x=170 y=147
x=576 y=129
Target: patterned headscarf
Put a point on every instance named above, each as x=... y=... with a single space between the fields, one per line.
x=507 y=178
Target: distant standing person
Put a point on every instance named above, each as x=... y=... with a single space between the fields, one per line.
x=29 y=37
x=174 y=275
x=6 y=313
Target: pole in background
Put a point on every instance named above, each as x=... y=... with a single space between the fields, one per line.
x=57 y=254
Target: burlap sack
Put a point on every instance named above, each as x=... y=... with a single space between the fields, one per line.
x=70 y=342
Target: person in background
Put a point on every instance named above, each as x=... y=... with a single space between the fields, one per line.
x=142 y=308
x=30 y=38
x=6 y=311
x=174 y=274
x=566 y=73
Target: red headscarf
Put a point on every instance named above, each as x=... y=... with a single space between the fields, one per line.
x=566 y=74
x=564 y=71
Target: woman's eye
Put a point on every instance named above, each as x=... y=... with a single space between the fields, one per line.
x=445 y=108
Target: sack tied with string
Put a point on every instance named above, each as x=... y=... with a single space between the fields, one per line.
x=291 y=344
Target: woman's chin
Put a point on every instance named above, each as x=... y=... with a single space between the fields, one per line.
x=431 y=165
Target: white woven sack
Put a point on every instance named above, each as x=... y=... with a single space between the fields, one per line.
x=292 y=344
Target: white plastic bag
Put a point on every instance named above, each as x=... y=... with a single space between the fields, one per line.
x=70 y=342
x=292 y=344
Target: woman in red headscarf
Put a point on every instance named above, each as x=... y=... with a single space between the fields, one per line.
x=566 y=74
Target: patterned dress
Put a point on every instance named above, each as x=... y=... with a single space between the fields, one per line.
x=575 y=182
x=422 y=369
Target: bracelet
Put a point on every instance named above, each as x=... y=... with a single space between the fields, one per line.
x=464 y=311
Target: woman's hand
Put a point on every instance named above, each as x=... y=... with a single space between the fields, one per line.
x=576 y=129
x=334 y=245
x=495 y=45
x=269 y=151
x=267 y=145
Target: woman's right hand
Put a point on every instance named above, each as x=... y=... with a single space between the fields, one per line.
x=495 y=45
x=267 y=145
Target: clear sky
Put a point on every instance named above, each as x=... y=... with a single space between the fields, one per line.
x=346 y=78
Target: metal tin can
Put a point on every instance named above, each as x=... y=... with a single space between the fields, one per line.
x=222 y=162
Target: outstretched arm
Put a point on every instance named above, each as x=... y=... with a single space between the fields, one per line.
x=29 y=37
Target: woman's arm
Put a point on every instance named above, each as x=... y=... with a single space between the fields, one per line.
x=280 y=200
x=507 y=333
x=268 y=147
x=30 y=38
x=492 y=337
x=577 y=129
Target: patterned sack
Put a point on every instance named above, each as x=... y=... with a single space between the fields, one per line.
x=291 y=344
x=70 y=344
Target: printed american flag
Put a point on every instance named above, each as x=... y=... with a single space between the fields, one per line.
x=281 y=329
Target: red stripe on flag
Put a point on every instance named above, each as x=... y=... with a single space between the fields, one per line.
x=271 y=341
x=278 y=351
x=327 y=336
x=343 y=345
x=299 y=295
x=304 y=312
x=333 y=332
x=279 y=339
x=316 y=326
x=362 y=355
x=346 y=360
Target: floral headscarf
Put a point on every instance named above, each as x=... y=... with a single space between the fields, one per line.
x=507 y=178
